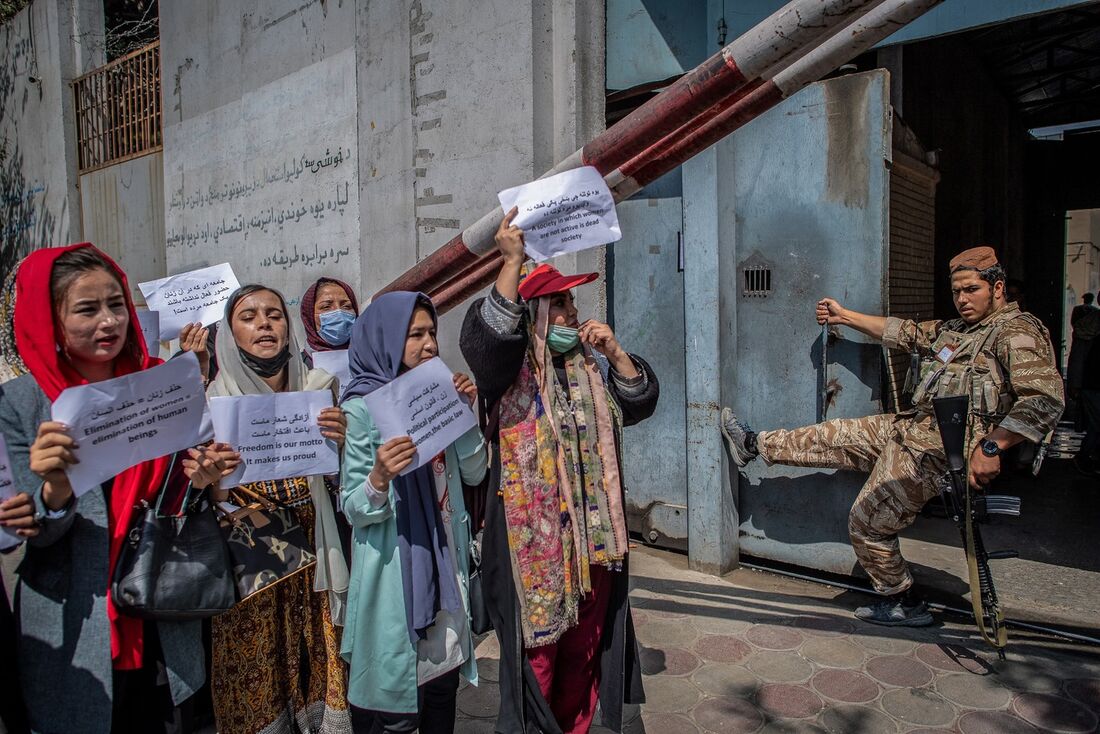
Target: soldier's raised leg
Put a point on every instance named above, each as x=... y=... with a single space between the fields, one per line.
x=841 y=443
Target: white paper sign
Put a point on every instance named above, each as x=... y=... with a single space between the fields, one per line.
x=199 y=295
x=423 y=405
x=122 y=422
x=570 y=211
x=149 y=321
x=335 y=363
x=8 y=538
x=276 y=435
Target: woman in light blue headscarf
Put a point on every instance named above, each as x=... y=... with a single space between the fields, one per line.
x=407 y=633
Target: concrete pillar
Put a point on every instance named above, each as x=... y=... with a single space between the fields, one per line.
x=709 y=352
x=455 y=106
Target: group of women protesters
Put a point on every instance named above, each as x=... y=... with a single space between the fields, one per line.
x=376 y=635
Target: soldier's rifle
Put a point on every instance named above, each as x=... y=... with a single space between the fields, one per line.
x=969 y=513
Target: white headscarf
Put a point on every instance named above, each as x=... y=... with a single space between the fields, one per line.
x=236 y=378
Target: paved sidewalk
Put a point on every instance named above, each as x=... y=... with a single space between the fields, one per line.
x=754 y=652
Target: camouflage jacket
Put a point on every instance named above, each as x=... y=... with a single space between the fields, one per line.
x=1005 y=362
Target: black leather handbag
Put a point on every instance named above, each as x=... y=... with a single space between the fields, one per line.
x=266 y=543
x=174 y=567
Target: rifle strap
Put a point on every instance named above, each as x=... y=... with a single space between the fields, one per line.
x=976 y=601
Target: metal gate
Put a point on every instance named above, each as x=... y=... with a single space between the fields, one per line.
x=805 y=189
x=811 y=197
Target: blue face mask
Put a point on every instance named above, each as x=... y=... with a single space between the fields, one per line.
x=561 y=339
x=336 y=327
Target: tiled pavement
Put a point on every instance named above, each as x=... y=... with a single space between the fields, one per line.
x=754 y=652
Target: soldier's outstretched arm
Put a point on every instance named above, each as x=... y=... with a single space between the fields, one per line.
x=829 y=311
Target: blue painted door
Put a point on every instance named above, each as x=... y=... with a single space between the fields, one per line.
x=810 y=194
x=647 y=297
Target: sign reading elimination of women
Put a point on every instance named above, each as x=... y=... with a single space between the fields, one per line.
x=122 y=422
x=276 y=435
x=423 y=405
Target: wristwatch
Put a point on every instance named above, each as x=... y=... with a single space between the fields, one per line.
x=990 y=447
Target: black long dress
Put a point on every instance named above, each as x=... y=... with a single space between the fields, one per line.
x=12 y=714
x=495 y=360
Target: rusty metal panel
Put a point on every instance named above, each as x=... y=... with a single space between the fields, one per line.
x=810 y=195
x=122 y=211
x=647 y=295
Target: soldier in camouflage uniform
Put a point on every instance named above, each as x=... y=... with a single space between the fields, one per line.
x=997 y=353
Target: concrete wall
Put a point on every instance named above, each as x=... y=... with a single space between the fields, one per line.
x=122 y=207
x=1083 y=251
x=1082 y=260
x=42 y=49
x=455 y=106
x=260 y=152
x=353 y=139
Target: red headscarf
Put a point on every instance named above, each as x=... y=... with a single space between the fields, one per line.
x=37 y=340
x=309 y=321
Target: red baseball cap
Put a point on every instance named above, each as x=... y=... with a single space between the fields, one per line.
x=546 y=280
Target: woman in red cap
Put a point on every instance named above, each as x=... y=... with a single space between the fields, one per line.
x=555 y=545
x=84 y=666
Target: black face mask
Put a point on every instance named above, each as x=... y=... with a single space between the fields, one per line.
x=266 y=366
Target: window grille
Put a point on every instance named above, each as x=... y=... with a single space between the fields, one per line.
x=758 y=281
x=118 y=108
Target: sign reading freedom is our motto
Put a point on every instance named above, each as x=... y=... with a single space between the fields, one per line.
x=122 y=422
x=276 y=435
x=423 y=405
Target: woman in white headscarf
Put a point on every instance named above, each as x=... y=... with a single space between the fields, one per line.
x=276 y=655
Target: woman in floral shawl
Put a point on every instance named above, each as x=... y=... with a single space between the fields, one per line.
x=555 y=545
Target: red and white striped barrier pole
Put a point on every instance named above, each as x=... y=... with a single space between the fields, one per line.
x=703 y=92
x=863 y=34
x=672 y=151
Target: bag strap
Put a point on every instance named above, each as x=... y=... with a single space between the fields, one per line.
x=166 y=485
x=263 y=500
x=490 y=418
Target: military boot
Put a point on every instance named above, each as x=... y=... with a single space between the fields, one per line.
x=896 y=612
x=740 y=439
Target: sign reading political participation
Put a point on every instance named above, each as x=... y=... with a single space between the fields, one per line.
x=149 y=321
x=567 y=212
x=276 y=435
x=122 y=422
x=335 y=363
x=423 y=405
x=8 y=538
x=186 y=298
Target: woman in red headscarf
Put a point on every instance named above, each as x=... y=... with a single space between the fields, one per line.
x=84 y=666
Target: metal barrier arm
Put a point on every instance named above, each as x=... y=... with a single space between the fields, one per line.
x=765 y=65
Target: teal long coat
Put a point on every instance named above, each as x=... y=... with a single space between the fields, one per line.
x=376 y=639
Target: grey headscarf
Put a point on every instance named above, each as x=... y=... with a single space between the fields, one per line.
x=236 y=378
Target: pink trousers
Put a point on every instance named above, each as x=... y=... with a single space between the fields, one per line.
x=568 y=671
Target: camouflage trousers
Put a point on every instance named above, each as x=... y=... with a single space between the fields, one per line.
x=901 y=481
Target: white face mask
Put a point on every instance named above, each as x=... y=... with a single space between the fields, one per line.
x=562 y=339
x=336 y=327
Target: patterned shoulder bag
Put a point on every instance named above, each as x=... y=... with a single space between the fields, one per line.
x=265 y=540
